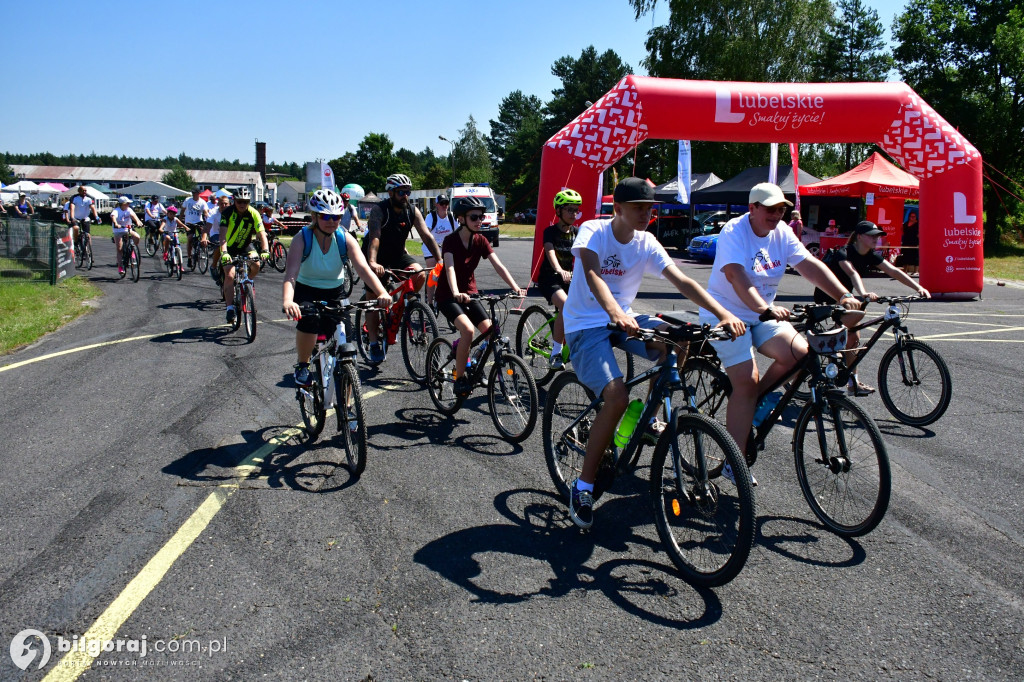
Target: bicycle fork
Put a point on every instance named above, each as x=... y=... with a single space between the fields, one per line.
x=836 y=464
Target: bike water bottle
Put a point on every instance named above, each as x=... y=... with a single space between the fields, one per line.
x=765 y=407
x=628 y=423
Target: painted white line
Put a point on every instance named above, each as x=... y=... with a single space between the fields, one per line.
x=981 y=331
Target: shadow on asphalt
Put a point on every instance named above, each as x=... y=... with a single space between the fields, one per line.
x=891 y=427
x=807 y=542
x=542 y=531
x=200 y=304
x=221 y=335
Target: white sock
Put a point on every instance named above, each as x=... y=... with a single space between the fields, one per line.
x=584 y=487
x=556 y=348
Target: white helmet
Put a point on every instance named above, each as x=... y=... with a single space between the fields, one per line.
x=326 y=202
x=241 y=193
x=397 y=180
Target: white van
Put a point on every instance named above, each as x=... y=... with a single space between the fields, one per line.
x=485 y=194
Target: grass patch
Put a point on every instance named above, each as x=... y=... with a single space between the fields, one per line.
x=516 y=230
x=27 y=310
x=1005 y=261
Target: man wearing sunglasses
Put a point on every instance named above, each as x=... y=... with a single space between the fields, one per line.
x=750 y=262
x=388 y=227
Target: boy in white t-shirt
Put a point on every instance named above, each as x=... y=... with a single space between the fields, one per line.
x=750 y=261
x=612 y=257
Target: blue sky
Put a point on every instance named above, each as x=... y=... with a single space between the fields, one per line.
x=311 y=79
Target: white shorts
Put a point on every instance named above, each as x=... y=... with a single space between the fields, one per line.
x=742 y=348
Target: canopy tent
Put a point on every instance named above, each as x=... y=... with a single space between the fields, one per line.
x=205 y=195
x=875 y=175
x=667 y=193
x=90 y=192
x=29 y=187
x=222 y=193
x=736 y=190
x=55 y=186
x=151 y=187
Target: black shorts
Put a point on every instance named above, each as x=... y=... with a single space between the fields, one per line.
x=451 y=309
x=192 y=228
x=548 y=290
x=83 y=225
x=315 y=324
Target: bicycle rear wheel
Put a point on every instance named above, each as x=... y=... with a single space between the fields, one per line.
x=842 y=465
x=565 y=447
x=917 y=387
x=278 y=256
x=133 y=260
x=533 y=342
x=350 y=416
x=87 y=251
x=193 y=254
x=707 y=526
x=440 y=377
x=79 y=254
x=248 y=312
x=151 y=244
x=512 y=396
x=350 y=279
x=311 y=402
x=419 y=328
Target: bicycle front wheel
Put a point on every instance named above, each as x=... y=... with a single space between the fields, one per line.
x=565 y=445
x=914 y=383
x=708 y=386
x=79 y=254
x=133 y=262
x=512 y=396
x=311 y=402
x=706 y=526
x=277 y=256
x=441 y=377
x=842 y=465
x=193 y=255
x=419 y=328
x=350 y=279
x=203 y=256
x=87 y=251
x=177 y=265
x=533 y=342
x=249 y=311
x=151 y=245
x=350 y=416
x=362 y=337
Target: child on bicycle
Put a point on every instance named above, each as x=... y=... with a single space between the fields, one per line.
x=555 y=272
x=461 y=253
x=612 y=256
x=170 y=224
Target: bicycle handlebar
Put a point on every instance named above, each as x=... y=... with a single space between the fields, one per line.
x=680 y=333
x=333 y=308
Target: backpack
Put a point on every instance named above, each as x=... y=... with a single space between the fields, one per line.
x=433 y=222
x=307 y=243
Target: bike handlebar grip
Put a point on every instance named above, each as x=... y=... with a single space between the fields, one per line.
x=766 y=315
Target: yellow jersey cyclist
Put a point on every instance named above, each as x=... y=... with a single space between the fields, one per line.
x=555 y=272
x=239 y=223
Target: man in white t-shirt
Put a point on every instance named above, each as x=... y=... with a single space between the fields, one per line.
x=441 y=223
x=750 y=261
x=612 y=257
x=196 y=211
x=82 y=206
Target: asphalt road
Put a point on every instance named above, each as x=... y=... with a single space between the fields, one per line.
x=154 y=488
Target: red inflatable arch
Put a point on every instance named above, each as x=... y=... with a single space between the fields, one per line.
x=888 y=114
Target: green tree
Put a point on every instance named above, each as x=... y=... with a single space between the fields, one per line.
x=373 y=162
x=472 y=162
x=515 y=147
x=735 y=40
x=179 y=177
x=966 y=59
x=584 y=79
x=436 y=176
x=6 y=172
x=343 y=168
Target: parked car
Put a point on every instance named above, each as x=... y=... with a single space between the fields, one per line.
x=704 y=247
x=530 y=215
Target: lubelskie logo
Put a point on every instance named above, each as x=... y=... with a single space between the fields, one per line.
x=776 y=110
x=611 y=266
x=763 y=263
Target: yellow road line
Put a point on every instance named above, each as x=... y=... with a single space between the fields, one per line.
x=981 y=331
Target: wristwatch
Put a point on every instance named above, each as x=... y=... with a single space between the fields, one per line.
x=847 y=295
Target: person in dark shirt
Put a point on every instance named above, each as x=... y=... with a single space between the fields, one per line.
x=555 y=272
x=461 y=253
x=909 y=253
x=851 y=264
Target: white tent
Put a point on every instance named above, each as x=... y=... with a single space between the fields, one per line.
x=151 y=187
x=89 y=191
x=28 y=187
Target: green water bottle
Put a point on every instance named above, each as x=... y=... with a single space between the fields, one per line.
x=628 y=423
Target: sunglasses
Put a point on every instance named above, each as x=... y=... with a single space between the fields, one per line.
x=774 y=209
x=330 y=218
x=403 y=192
x=474 y=216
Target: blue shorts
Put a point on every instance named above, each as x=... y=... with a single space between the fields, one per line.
x=592 y=357
x=742 y=348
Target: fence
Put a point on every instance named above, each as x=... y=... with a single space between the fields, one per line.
x=34 y=251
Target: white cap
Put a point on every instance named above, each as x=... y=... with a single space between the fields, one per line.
x=124 y=200
x=767 y=194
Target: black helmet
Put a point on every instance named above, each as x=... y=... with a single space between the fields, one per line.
x=464 y=205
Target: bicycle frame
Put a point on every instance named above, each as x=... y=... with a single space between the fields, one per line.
x=493 y=337
x=549 y=324
x=400 y=294
x=891 y=319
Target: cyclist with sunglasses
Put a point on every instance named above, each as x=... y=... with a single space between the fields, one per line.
x=462 y=251
x=749 y=264
x=388 y=227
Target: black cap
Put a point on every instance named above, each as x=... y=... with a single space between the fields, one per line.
x=869 y=228
x=442 y=199
x=634 y=191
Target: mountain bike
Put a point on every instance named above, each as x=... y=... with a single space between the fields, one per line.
x=245 y=297
x=333 y=366
x=408 y=317
x=841 y=460
x=278 y=256
x=511 y=390
x=130 y=259
x=913 y=380
x=83 y=246
x=706 y=521
x=534 y=337
x=152 y=237
x=172 y=257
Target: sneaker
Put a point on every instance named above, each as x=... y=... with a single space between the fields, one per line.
x=581 y=507
x=301 y=375
x=654 y=431
x=859 y=389
x=727 y=473
x=376 y=353
x=556 y=362
x=230 y=316
x=462 y=387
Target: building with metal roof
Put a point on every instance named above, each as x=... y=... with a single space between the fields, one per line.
x=114 y=179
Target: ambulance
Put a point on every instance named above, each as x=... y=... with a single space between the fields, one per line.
x=485 y=194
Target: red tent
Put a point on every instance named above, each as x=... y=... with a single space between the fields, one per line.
x=205 y=195
x=875 y=175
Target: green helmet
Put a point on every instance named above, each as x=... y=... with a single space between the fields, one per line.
x=567 y=197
